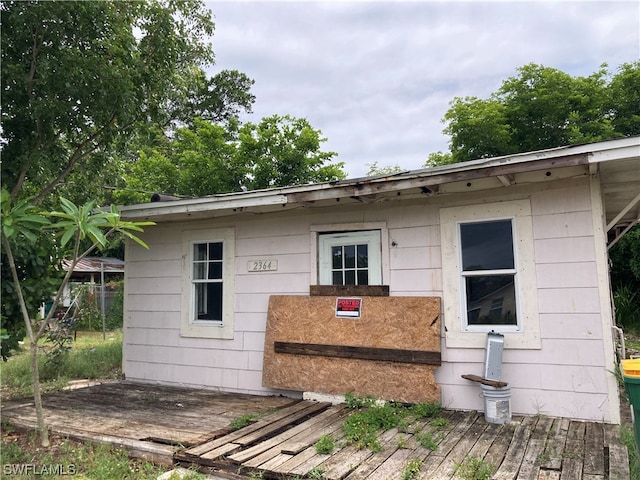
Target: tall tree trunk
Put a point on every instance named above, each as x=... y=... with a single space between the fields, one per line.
x=33 y=347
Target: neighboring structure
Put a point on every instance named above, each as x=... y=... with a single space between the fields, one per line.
x=515 y=244
x=95 y=272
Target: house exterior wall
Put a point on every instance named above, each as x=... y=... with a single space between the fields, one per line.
x=568 y=376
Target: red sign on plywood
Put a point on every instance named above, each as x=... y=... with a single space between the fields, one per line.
x=348 y=307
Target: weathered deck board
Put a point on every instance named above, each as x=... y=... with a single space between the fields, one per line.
x=280 y=444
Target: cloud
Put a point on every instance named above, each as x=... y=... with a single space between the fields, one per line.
x=377 y=77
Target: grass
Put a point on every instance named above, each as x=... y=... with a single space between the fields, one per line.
x=89 y=357
x=628 y=438
x=473 y=468
x=371 y=416
x=22 y=457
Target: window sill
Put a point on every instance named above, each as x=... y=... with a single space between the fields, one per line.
x=349 y=290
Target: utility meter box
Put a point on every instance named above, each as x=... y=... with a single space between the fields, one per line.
x=493 y=358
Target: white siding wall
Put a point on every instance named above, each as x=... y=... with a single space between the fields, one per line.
x=567 y=377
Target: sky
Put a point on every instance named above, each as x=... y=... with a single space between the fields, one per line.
x=377 y=77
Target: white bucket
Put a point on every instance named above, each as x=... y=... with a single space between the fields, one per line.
x=497 y=403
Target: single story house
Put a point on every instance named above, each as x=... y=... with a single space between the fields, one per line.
x=382 y=282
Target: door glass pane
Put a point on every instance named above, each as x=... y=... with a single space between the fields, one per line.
x=363 y=256
x=350 y=277
x=215 y=251
x=491 y=300
x=200 y=251
x=336 y=256
x=349 y=256
x=487 y=245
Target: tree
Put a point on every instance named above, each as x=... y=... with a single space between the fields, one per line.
x=79 y=78
x=375 y=169
x=282 y=150
x=207 y=159
x=624 y=99
x=543 y=107
x=20 y=224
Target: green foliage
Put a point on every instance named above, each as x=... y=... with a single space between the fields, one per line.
x=439 y=422
x=540 y=108
x=625 y=279
x=627 y=304
x=243 y=421
x=88 y=357
x=427 y=440
x=355 y=401
x=325 y=445
x=426 y=410
x=412 y=469
x=473 y=468
x=628 y=438
x=78 y=77
x=205 y=159
x=315 y=474
x=361 y=427
x=375 y=169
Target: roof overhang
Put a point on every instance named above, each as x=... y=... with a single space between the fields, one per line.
x=617 y=162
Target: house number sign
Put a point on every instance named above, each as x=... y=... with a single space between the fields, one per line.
x=262 y=265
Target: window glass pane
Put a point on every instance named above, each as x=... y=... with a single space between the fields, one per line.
x=349 y=256
x=337 y=278
x=200 y=251
x=215 y=270
x=215 y=251
x=209 y=301
x=363 y=277
x=487 y=245
x=363 y=256
x=336 y=255
x=198 y=271
x=350 y=277
x=491 y=300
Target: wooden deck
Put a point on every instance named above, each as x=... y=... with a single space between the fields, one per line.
x=190 y=427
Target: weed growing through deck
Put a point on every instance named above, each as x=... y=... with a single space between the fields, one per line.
x=473 y=468
x=428 y=441
x=243 y=421
x=439 y=422
x=362 y=426
x=325 y=445
x=412 y=469
x=316 y=474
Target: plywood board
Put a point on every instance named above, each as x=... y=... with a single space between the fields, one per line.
x=395 y=323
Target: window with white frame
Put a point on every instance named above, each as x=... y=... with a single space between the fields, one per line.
x=488 y=271
x=207 y=297
x=488 y=274
x=207 y=284
x=350 y=258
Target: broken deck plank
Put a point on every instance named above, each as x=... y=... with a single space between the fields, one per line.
x=593 y=449
x=618 y=462
x=273 y=427
x=514 y=456
x=573 y=452
x=257 y=454
x=274 y=416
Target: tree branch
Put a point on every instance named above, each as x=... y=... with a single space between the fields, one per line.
x=78 y=154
